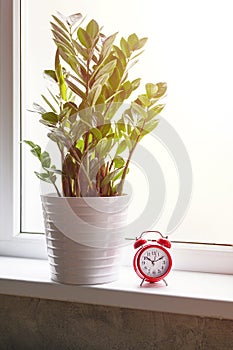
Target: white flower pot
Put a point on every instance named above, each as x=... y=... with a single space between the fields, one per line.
x=85 y=237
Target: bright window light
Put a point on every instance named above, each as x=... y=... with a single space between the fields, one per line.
x=189 y=47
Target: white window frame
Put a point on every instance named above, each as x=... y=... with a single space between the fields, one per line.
x=12 y=243
x=192 y=257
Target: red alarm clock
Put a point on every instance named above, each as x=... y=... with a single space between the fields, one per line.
x=152 y=262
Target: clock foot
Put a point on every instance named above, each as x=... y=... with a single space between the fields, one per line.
x=142 y=282
x=165 y=282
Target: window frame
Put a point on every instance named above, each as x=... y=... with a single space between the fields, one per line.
x=11 y=241
x=186 y=256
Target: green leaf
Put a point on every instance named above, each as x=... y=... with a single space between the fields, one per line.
x=50 y=117
x=111 y=176
x=43 y=176
x=48 y=103
x=58 y=38
x=157 y=90
x=120 y=54
x=94 y=94
x=54 y=170
x=60 y=76
x=144 y=100
x=60 y=30
x=121 y=147
x=140 y=43
x=107 y=47
x=81 y=50
x=69 y=59
x=107 y=68
x=92 y=28
x=61 y=24
x=115 y=79
x=96 y=133
x=118 y=162
x=45 y=160
x=75 y=89
x=73 y=19
x=38 y=108
x=48 y=73
x=105 y=129
x=104 y=147
x=139 y=110
x=151 y=89
x=150 y=126
x=135 y=83
x=154 y=111
x=133 y=41
x=101 y=80
x=128 y=141
x=84 y=38
x=125 y=47
x=36 y=149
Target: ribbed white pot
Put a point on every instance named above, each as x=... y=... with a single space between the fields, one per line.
x=85 y=237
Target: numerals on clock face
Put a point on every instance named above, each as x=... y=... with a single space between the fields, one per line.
x=154 y=262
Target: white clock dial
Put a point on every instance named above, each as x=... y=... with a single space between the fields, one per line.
x=154 y=262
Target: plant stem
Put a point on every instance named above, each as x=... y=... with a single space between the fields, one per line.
x=58 y=192
x=121 y=184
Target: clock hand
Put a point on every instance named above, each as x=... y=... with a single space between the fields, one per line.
x=146 y=257
x=159 y=259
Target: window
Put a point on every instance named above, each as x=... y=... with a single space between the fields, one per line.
x=195 y=60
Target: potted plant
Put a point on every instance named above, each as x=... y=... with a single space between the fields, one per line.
x=92 y=126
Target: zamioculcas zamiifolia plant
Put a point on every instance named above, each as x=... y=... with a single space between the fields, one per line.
x=84 y=114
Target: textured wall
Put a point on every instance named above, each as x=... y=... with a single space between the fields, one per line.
x=27 y=323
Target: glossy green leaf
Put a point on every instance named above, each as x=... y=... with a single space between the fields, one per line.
x=36 y=149
x=94 y=94
x=111 y=176
x=75 y=89
x=155 y=111
x=92 y=28
x=49 y=73
x=135 y=83
x=60 y=76
x=49 y=103
x=125 y=47
x=121 y=147
x=119 y=162
x=133 y=41
x=139 y=110
x=43 y=176
x=140 y=43
x=60 y=30
x=38 y=108
x=104 y=147
x=64 y=42
x=115 y=79
x=50 y=117
x=106 y=69
x=107 y=46
x=96 y=133
x=144 y=100
x=120 y=54
x=73 y=19
x=150 y=126
x=60 y=23
x=105 y=129
x=84 y=38
x=45 y=160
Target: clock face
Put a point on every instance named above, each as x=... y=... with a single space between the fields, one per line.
x=154 y=262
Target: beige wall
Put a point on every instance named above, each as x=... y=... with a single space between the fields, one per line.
x=27 y=323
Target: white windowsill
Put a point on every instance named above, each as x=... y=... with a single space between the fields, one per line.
x=191 y=293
